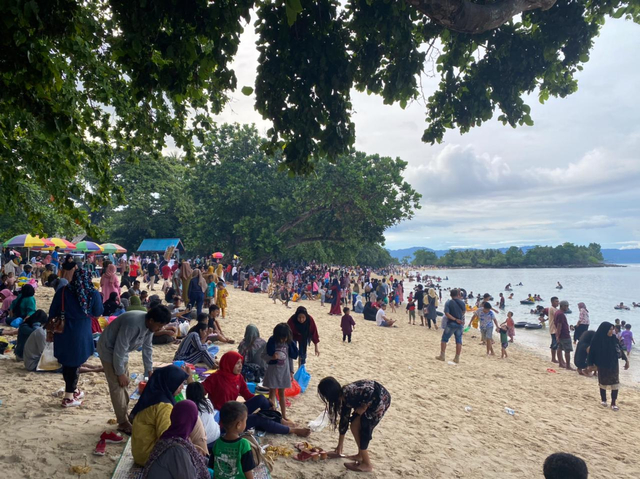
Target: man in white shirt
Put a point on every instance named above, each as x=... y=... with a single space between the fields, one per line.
x=381 y=317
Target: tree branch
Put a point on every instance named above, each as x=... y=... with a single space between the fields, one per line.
x=303 y=217
x=466 y=17
x=311 y=240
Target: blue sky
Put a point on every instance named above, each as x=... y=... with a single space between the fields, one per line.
x=573 y=176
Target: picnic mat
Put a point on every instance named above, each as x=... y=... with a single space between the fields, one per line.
x=126 y=468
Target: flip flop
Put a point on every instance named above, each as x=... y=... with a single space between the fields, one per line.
x=304 y=456
x=124 y=431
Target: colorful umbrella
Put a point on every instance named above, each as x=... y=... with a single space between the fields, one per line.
x=88 y=247
x=218 y=255
x=24 y=241
x=62 y=243
x=112 y=248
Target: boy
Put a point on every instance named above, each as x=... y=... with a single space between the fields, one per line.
x=504 y=339
x=347 y=324
x=232 y=456
x=487 y=320
x=411 y=308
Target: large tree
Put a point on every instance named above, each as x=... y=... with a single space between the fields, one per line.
x=81 y=80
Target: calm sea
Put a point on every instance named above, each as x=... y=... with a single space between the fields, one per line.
x=599 y=288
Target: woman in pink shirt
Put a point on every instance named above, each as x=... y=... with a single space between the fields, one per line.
x=109 y=283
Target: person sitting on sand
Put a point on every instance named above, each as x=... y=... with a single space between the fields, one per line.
x=174 y=455
x=25 y=304
x=214 y=325
x=193 y=348
x=25 y=330
x=251 y=349
x=151 y=416
x=362 y=404
x=564 y=466
x=227 y=383
x=232 y=456
x=381 y=317
x=369 y=311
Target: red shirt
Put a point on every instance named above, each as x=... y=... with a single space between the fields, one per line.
x=133 y=270
x=562 y=326
x=166 y=271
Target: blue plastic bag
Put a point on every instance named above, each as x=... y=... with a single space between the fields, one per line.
x=303 y=377
x=16 y=322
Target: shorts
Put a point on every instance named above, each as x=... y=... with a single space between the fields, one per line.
x=505 y=345
x=421 y=312
x=487 y=333
x=384 y=324
x=554 y=343
x=565 y=345
x=455 y=329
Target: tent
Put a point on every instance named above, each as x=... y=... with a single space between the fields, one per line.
x=160 y=245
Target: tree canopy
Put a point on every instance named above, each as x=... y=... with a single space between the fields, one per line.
x=567 y=254
x=83 y=82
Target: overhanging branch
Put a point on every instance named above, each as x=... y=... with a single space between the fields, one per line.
x=311 y=240
x=466 y=17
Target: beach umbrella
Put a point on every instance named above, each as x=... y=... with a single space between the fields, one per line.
x=88 y=247
x=61 y=243
x=218 y=255
x=112 y=248
x=24 y=241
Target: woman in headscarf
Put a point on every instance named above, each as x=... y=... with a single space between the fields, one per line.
x=220 y=272
x=151 y=416
x=25 y=304
x=583 y=322
x=6 y=297
x=304 y=331
x=431 y=306
x=369 y=311
x=68 y=268
x=186 y=273
x=197 y=287
x=111 y=305
x=604 y=353
x=252 y=347
x=336 y=292
x=174 y=455
x=582 y=351
x=79 y=300
x=135 y=304
x=34 y=321
x=227 y=383
x=109 y=282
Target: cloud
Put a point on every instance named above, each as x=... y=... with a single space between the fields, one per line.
x=599 y=221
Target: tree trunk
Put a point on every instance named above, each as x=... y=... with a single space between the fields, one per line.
x=466 y=17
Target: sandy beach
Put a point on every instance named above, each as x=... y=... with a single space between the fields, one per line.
x=427 y=432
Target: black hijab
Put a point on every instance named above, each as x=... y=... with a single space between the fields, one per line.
x=604 y=348
x=111 y=304
x=160 y=388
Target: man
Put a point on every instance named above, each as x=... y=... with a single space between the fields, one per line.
x=381 y=317
x=152 y=271
x=454 y=311
x=563 y=335
x=127 y=333
x=55 y=259
x=551 y=317
x=419 y=299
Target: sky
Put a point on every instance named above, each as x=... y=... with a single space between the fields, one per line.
x=573 y=176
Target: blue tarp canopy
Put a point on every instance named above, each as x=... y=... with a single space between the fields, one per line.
x=160 y=245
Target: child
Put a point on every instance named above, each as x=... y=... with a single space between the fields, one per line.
x=232 y=455
x=392 y=302
x=221 y=298
x=280 y=353
x=144 y=298
x=347 y=324
x=511 y=326
x=411 y=308
x=627 y=338
x=504 y=328
x=323 y=295
x=487 y=320
x=211 y=291
x=206 y=411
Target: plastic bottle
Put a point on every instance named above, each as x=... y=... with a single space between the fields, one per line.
x=509 y=411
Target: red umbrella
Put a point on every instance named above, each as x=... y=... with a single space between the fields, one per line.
x=218 y=255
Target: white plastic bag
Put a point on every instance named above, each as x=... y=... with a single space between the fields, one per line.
x=319 y=423
x=48 y=361
x=184 y=329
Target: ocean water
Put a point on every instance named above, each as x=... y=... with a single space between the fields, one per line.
x=599 y=288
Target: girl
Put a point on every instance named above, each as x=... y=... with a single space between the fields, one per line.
x=392 y=301
x=583 y=322
x=221 y=298
x=511 y=326
x=197 y=394
x=369 y=401
x=211 y=290
x=193 y=348
x=280 y=353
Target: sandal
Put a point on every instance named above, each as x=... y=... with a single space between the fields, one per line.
x=604 y=404
x=615 y=408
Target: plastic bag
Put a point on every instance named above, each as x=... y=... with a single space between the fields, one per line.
x=303 y=378
x=294 y=390
x=16 y=322
x=48 y=361
x=319 y=423
x=184 y=329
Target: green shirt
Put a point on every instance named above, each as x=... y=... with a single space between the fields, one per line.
x=503 y=336
x=232 y=458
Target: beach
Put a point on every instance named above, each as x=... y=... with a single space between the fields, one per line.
x=445 y=421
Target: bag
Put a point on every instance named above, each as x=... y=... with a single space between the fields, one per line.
x=259 y=457
x=252 y=373
x=16 y=322
x=48 y=361
x=270 y=414
x=56 y=325
x=303 y=377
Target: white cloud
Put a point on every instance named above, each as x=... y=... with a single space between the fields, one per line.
x=599 y=221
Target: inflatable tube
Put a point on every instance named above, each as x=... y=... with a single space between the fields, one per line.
x=533 y=326
x=526 y=301
x=463 y=293
x=521 y=324
x=508 y=289
x=558 y=287
x=621 y=309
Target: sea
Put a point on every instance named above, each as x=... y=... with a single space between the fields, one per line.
x=599 y=288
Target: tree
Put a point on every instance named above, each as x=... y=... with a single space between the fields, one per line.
x=83 y=81
x=423 y=257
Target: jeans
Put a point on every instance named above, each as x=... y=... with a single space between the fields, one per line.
x=262 y=423
x=197 y=300
x=452 y=328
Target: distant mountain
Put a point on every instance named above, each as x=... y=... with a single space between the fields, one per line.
x=617 y=256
